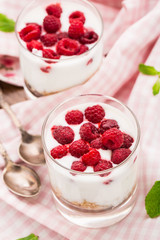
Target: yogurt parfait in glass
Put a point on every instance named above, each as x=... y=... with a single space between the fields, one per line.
x=91 y=144
x=60 y=44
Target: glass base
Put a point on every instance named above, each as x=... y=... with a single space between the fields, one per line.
x=92 y=219
x=28 y=93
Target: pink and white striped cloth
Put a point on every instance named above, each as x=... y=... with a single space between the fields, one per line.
x=131 y=36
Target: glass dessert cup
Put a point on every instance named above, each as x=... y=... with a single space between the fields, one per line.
x=94 y=199
x=44 y=76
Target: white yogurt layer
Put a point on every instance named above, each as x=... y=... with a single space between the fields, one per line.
x=107 y=191
x=68 y=71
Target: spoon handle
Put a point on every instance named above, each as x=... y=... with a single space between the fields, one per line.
x=8 y=109
x=4 y=154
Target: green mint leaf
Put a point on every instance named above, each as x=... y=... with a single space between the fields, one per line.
x=148 y=70
x=6 y=24
x=156 y=87
x=152 y=201
x=32 y=236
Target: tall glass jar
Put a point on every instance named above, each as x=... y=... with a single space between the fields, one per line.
x=94 y=199
x=44 y=76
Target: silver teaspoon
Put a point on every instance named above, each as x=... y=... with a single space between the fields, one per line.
x=30 y=148
x=19 y=179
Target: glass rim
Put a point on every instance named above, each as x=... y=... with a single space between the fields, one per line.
x=98 y=172
x=68 y=57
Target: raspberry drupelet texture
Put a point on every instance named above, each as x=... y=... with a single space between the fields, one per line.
x=32 y=31
x=62 y=134
x=67 y=47
x=76 y=30
x=74 y=117
x=49 y=53
x=51 y=24
x=82 y=49
x=107 y=124
x=102 y=165
x=91 y=158
x=59 y=151
x=112 y=138
x=78 y=166
x=48 y=39
x=88 y=132
x=78 y=148
x=62 y=35
x=34 y=44
x=97 y=143
x=127 y=142
x=88 y=37
x=94 y=114
x=54 y=9
x=119 y=155
x=77 y=15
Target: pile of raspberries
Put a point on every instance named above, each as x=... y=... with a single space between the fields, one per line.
x=104 y=135
x=73 y=42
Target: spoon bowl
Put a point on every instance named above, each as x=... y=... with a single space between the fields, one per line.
x=21 y=180
x=30 y=149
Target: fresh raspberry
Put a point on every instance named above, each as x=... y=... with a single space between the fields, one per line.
x=78 y=166
x=107 y=124
x=91 y=158
x=63 y=135
x=78 y=148
x=49 y=39
x=76 y=30
x=94 y=114
x=112 y=138
x=77 y=15
x=59 y=151
x=74 y=117
x=67 y=47
x=127 y=142
x=32 y=31
x=82 y=49
x=97 y=143
x=88 y=132
x=54 y=9
x=51 y=24
x=119 y=155
x=49 y=53
x=103 y=165
x=34 y=44
x=88 y=37
x=62 y=35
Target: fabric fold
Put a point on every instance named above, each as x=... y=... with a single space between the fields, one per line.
x=137 y=42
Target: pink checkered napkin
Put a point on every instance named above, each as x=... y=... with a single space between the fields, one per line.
x=16 y=225
x=8 y=41
x=137 y=44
